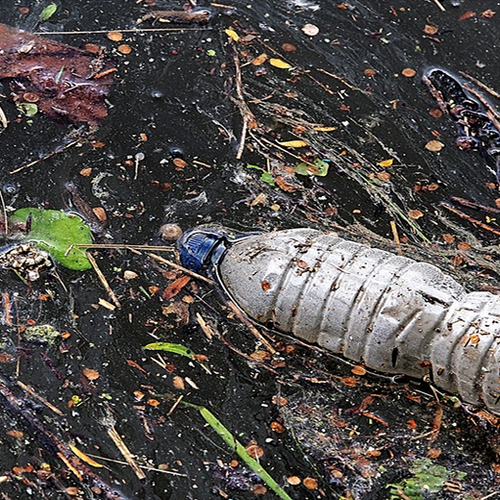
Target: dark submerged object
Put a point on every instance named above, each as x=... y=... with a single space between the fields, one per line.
x=476 y=130
x=393 y=314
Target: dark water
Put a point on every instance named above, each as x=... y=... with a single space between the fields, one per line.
x=176 y=88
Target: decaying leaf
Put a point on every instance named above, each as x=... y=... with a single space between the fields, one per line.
x=71 y=84
x=232 y=34
x=385 y=163
x=434 y=146
x=174 y=288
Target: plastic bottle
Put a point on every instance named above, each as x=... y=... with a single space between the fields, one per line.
x=390 y=313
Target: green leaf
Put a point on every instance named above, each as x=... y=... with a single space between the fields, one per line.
x=28 y=109
x=48 y=12
x=265 y=176
x=235 y=445
x=169 y=347
x=55 y=232
x=319 y=168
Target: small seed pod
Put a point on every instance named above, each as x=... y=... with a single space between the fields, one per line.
x=170 y=232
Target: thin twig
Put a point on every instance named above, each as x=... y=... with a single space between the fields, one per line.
x=480 y=84
x=180 y=268
x=340 y=79
x=32 y=392
x=440 y=5
x=250 y=326
x=145 y=467
x=103 y=281
x=474 y=205
x=492 y=114
x=34 y=162
x=120 y=444
x=103 y=32
x=117 y=246
x=476 y=222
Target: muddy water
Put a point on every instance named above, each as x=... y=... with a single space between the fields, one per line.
x=175 y=88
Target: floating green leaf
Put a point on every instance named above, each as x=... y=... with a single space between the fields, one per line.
x=169 y=347
x=55 y=232
x=428 y=478
x=48 y=12
x=235 y=445
x=265 y=176
x=28 y=109
x=319 y=168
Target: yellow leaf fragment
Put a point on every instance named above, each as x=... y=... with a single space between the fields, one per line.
x=294 y=144
x=278 y=63
x=260 y=59
x=324 y=129
x=84 y=457
x=385 y=163
x=232 y=34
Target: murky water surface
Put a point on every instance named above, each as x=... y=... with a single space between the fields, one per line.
x=176 y=90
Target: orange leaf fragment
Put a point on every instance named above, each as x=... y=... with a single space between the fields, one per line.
x=358 y=370
x=310 y=483
x=467 y=15
x=124 y=49
x=488 y=13
x=430 y=29
x=408 y=72
x=85 y=172
x=288 y=47
x=174 y=288
x=265 y=286
x=464 y=246
x=383 y=176
x=153 y=402
x=278 y=63
x=91 y=374
x=415 y=214
x=179 y=162
x=260 y=59
x=369 y=72
x=448 y=238
x=349 y=381
x=411 y=424
x=254 y=450
x=277 y=427
x=293 y=480
x=434 y=146
x=115 y=36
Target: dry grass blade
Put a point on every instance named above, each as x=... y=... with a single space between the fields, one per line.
x=120 y=444
x=104 y=281
x=180 y=268
x=32 y=392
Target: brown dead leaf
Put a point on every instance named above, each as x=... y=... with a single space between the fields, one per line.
x=284 y=185
x=293 y=480
x=448 y=238
x=349 y=381
x=415 y=214
x=383 y=176
x=277 y=427
x=288 y=47
x=174 y=288
x=179 y=162
x=265 y=286
x=436 y=113
x=430 y=29
x=463 y=246
x=36 y=65
x=434 y=146
x=91 y=374
x=369 y=72
x=124 y=49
